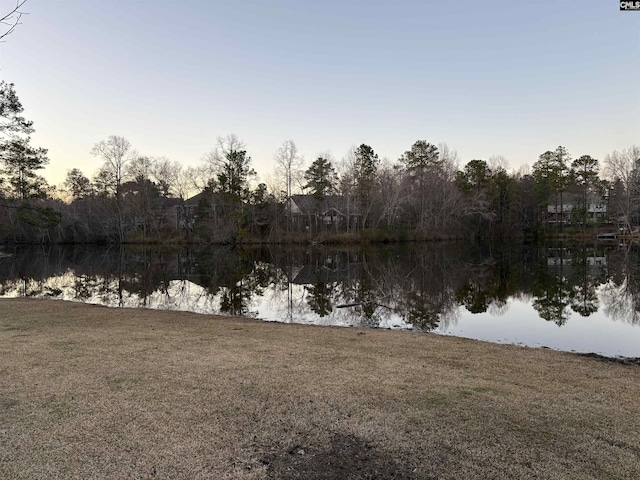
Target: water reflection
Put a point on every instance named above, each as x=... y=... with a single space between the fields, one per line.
x=420 y=286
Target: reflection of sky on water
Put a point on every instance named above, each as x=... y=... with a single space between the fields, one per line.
x=276 y=310
x=522 y=326
x=516 y=297
x=182 y=295
x=517 y=323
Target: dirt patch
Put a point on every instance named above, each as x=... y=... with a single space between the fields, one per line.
x=348 y=457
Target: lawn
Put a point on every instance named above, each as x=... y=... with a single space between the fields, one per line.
x=92 y=392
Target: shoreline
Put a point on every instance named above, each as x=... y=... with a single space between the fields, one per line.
x=625 y=360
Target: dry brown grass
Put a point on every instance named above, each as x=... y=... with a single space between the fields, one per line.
x=91 y=392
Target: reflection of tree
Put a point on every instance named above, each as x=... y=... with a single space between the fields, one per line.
x=84 y=286
x=569 y=277
x=421 y=311
x=420 y=284
x=417 y=284
x=621 y=294
x=234 y=300
x=584 y=299
x=474 y=298
x=552 y=295
x=430 y=286
x=621 y=303
x=552 y=308
x=319 y=299
x=504 y=271
x=253 y=276
x=368 y=299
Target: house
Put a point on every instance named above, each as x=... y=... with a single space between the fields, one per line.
x=331 y=212
x=205 y=203
x=561 y=211
x=165 y=211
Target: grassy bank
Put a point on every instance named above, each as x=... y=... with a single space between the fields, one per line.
x=90 y=392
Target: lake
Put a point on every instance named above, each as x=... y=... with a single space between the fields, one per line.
x=572 y=297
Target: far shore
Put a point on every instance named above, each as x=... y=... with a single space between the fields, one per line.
x=364 y=237
x=93 y=392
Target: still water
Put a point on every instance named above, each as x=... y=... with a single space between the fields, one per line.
x=573 y=297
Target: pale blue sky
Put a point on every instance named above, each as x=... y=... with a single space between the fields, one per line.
x=511 y=78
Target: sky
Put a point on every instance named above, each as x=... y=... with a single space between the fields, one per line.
x=510 y=78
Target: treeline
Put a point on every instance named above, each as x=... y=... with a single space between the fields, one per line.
x=422 y=194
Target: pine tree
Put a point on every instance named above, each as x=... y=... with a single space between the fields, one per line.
x=20 y=161
x=321 y=178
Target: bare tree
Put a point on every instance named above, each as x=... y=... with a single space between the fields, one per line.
x=498 y=162
x=275 y=186
x=447 y=155
x=288 y=166
x=193 y=180
x=116 y=152
x=392 y=194
x=623 y=170
x=11 y=19
x=216 y=159
x=230 y=168
x=140 y=168
x=346 y=170
x=170 y=178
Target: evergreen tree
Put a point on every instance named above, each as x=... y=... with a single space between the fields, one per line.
x=78 y=184
x=20 y=161
x=365 y=173
x=551 y=175
x=584 y=173
x=321 y=178
x=421 y=162
x=422 y=157
x=233 y=179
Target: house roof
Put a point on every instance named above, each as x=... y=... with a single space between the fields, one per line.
x=206 y=195
x=309 y=205
x=168 y=202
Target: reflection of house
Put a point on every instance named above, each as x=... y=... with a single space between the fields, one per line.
x=332 y=211
x=563 y=256
x=560 y=211
x=327 y=268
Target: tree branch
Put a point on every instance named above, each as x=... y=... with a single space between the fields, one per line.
x=12 y=18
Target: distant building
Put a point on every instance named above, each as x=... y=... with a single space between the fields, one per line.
x=206 y=203
x=596 y=208
x=332 y=212
x=166 y=212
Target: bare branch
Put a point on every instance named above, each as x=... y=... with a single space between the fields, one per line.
x=12 y=18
